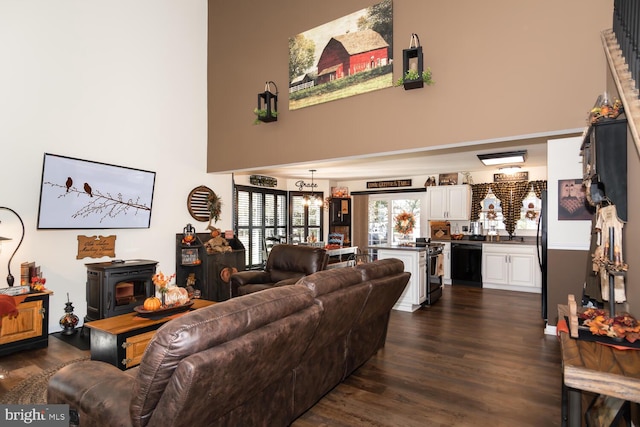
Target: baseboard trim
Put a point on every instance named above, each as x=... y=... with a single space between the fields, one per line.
x=550 y=330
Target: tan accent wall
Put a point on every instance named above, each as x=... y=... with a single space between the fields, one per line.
x=502 y=68
x=565 y=275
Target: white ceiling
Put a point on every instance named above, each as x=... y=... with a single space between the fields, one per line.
x=407 y=164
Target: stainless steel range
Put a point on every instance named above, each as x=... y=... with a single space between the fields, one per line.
x=434 y=280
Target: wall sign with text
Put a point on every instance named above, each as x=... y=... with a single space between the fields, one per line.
x=511 y=177
x=389 y=184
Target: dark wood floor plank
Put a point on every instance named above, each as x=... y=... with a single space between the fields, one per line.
x=478 y=357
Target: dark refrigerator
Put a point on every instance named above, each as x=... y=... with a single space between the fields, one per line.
x=541 y=243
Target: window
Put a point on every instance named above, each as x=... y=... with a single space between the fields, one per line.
x=382 y=212
x=492 y=219
x=305 y=219
x=260 y=213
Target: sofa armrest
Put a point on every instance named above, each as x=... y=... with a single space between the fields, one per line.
x=242 y=278
x=98 y=391
x=247 y=277
x=287 y=282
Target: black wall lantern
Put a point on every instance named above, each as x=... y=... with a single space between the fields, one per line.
x=412 y=64
x=267 y=110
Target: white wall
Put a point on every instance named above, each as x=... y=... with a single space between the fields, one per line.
x=120 y=82
x=564 y=162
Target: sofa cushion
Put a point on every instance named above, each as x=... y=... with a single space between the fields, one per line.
x=202 y=329
x=380 y=268
x=326 y=281
x=342 y=295
x=228 y=382
x=296 y=258
x=388 y=280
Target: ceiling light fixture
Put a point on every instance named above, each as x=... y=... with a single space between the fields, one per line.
x=313 y=199
x=507 y=157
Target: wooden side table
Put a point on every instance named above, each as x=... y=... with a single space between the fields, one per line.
x=30 y=329
x=596 y=368
x=122 y=340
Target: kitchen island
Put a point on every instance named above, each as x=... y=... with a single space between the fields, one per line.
x=425 y=284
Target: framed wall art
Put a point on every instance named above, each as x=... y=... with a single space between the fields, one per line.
x=572 y=201
x=82 y=194
x=345 y=57
x=448 y=178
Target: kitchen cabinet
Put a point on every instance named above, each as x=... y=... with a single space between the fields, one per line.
x=446 y=261
x=415 y=262
x=511 y=267
x=449 y=202
x=340 y=218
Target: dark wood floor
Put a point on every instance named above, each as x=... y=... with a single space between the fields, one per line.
x=478 y=357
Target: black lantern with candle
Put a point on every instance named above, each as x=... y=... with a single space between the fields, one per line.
x=69 y=321
x=267 y=110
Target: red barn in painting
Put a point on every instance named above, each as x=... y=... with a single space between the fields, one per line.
x=352 y=53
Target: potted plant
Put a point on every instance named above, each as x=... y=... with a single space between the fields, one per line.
x=413 y=80
x=263 y=115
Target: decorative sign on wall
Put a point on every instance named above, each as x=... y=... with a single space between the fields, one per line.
x=389 y=184
x=511 y=177
x=96 y=246
x=263 y=181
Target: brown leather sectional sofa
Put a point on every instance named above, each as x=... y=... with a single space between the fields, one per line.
x=262 y=359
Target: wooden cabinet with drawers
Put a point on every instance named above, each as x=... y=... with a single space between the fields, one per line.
x=30 y=329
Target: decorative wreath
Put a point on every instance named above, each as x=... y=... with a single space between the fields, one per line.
x=404 y=223
x=214 y=205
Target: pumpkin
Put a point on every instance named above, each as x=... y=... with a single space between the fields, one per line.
x=152 y=304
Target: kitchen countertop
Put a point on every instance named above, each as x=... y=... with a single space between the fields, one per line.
x=504 y=240
x=527 y=240
x=412 y=247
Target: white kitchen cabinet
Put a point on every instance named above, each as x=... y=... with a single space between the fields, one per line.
x=415 y=262
x=446 y=255
x=449 y=202
x=511 y=267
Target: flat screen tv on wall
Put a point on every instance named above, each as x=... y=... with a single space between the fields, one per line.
x=82 y=194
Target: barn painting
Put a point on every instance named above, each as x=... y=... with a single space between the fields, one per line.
x=345 y=57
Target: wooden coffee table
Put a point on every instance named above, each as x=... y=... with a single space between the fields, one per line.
x=121 y=340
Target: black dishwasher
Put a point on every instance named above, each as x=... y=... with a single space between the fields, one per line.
x=466 y=264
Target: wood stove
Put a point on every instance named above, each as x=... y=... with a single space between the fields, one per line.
x=116 y=287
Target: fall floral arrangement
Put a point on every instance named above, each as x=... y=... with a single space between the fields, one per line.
x=404 y=223
x=37 y=283
x=622 y=326
x=161 y=281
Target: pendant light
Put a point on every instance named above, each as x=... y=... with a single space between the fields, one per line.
x=313 y=199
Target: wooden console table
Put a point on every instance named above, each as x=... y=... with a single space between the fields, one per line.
x=596 y=368
x=122 y=340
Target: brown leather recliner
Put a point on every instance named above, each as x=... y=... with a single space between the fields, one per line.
x=285 y=266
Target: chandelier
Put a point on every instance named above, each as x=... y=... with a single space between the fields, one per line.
x=314 y=199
